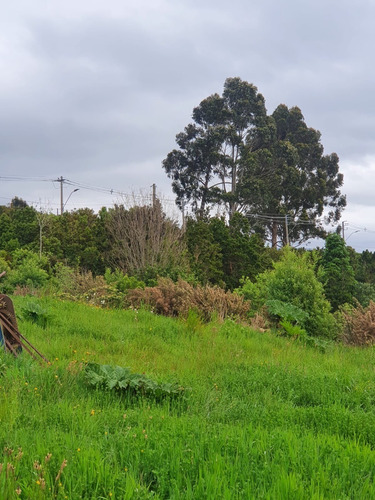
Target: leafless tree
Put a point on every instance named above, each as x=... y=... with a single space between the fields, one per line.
x=144 y=237
x=43 y=217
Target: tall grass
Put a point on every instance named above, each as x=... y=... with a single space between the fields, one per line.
x=265 y=417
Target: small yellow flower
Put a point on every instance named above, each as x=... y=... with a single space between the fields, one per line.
x=56 y=376
x=78 y=449
x=126 y=469
x=37 y=482
x=92 y=412
x=56 y=359
x=35 y=388
x=106 y=433
x=142 y=451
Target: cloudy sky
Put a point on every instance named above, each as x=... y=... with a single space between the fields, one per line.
x=95 y=91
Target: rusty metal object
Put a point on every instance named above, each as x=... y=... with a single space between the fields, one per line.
x=14 y=341
x=8 y=323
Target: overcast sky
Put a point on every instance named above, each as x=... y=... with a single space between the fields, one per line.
x=96 y=91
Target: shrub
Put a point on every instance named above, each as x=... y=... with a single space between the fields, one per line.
x=28 y=271
x=122 y=379
x=293 y=282
x=289 y=317
x=292 y=330
x=92 y=290
x=63 y=279
x=337 y=273
x=286 y=311
x=177 y=299
x=359 y=325
x=254 y=292
x=364 y=293
x=122 y=282
x=108 y=290
x=34 y=312
x=4 y=266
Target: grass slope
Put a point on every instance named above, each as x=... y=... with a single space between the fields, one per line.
x=266 y=418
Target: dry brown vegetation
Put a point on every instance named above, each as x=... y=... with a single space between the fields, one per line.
x=177 y=299
x=359 y=325
x=144 y=237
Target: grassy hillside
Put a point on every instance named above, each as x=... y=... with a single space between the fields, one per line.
x=265 y=416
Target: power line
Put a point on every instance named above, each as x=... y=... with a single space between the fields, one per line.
x=263 y=218
x=109 y=191
x=32 y=179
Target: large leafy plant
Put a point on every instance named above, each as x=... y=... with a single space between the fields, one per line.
x=123 y=380
x=293 y=281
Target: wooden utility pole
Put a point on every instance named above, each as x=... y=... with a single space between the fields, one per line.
x=286 y=230
x=183 y=216
x=343 y=229
x=61 y=181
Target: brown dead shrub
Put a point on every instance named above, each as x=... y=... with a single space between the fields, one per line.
x=177 y=299
x=85 y=282
x=24 y=291
x=83 y=286
x=359 y=325
x=260 y=321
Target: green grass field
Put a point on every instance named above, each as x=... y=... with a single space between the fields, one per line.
x=265 y=417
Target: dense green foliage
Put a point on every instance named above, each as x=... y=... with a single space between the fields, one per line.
x=281 y=410
x=100 y=257
x=265 y=418
x=123 y=379
x=208 y=166
x=223 y=253
x=337 y=273
x=236 y=156
x=293 y=281
x=141 y=243
x=19 y=226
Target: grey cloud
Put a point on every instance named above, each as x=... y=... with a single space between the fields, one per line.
x=104 y=89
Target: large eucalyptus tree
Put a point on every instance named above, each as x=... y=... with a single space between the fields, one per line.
x=208 y=166
x=271 y=168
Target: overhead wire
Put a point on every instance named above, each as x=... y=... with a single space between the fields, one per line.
x=265 y=218
x=18 y=178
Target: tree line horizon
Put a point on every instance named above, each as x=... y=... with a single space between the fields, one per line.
x=233 y=156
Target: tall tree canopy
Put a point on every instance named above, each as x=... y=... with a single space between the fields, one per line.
x=337 y=272
x=207 y=169
x=236 y=155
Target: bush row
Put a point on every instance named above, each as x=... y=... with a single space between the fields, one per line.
x=290 y=298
